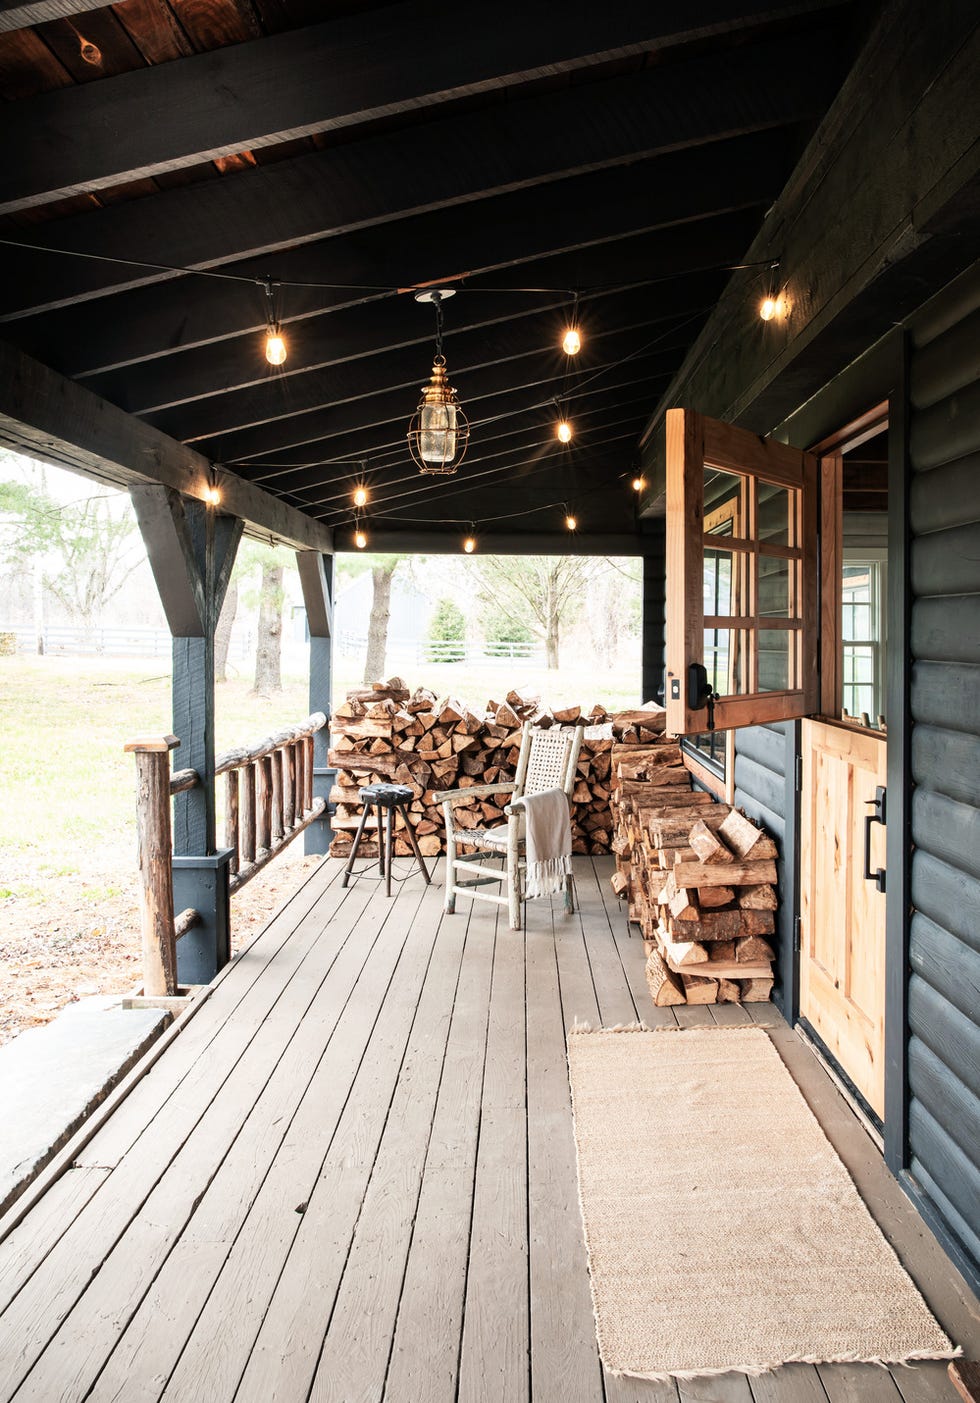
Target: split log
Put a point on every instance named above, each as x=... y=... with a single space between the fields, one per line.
x=707 y=874
x=707 y=845
x=688 y=953
x=698 y=990
x=665 y=988
x=715 y=896
x=761 y=898
x=752 y=949
x=756 y=991
x=743 y=837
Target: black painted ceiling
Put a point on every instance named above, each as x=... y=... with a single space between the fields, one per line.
x=522 y=154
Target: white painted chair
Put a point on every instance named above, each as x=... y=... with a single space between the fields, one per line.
x=547 y=760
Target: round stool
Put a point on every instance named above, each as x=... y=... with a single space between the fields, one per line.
x=393 y=797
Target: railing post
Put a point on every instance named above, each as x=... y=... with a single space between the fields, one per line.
x=231 y=818
x=288 y=786
x=155 y=857
x=248 y=813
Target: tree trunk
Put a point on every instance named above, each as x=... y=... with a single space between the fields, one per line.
x=222 y=634
x=551 y=628
x=268 y=678
x=374 y=663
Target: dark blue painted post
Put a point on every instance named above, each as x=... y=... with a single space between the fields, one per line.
x=316 y=573
x=654 y=598
x=191 y=550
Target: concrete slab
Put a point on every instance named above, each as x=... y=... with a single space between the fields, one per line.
x=52 y=1077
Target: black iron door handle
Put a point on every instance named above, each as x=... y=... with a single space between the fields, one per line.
x=878 y=816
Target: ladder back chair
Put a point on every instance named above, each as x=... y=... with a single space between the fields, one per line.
x=547 y=760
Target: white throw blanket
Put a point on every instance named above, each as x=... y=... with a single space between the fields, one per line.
x=549 y=841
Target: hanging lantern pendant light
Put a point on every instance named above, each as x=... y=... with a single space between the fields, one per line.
x=439 y=432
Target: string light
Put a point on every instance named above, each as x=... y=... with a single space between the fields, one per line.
x=212 y=496
x=638 y=484
x=564 y=431
x=768 y=308
x=360 y=496
x=571 y=522
x=360 y=539
x=572 y=342
x=469 y=545
x=275 y=344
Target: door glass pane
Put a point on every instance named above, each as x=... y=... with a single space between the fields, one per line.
x=774 y=590
x=775 y=653
x=721 y=570
x=725 y=659
x=724 y=503
x=775 y=519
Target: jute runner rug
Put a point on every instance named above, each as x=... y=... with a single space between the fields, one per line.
x=723 y=1232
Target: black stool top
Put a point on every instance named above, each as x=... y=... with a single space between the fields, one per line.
x=387 y=795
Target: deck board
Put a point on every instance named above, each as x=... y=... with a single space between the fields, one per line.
x=351 y=1177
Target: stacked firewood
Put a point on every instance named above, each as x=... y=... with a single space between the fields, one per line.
x=700 y=881
x=386 y=733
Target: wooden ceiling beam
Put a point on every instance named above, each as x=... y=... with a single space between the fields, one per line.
x=484 y=358
x=318 y=345
x=22 y=14
x=512 y=232
x=325 y=77
x=59 y=422
x=546 y=138
x=359 y=454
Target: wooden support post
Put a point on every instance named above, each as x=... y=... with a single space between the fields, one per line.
x=155 y=855
x=275 y=770
x=652 y=628
x=316 y=572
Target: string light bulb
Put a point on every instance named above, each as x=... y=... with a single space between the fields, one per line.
x=564 y=431
x=469 y=545
x=212 y=496
x=572 y=342
x=275 y=346
x=571 y=522
x=768 y=308
x=360 y=539
x=360 y=496
x=638 y=484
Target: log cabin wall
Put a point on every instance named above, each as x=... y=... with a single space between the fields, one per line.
x=764 y=765
x=944 y=936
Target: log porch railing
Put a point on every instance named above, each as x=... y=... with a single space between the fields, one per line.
x=268 y=801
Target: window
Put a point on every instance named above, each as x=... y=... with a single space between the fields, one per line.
x=741 y=570
x=863 y=634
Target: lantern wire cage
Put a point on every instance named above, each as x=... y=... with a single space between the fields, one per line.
x=439 y=432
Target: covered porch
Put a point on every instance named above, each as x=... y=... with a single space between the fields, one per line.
x=350 y=1174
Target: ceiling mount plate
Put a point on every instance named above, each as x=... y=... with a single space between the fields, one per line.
x=435 y=294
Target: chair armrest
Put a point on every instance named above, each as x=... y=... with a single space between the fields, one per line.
x=475 y=791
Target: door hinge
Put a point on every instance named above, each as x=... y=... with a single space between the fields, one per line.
x=799 y=774
x=796 y=934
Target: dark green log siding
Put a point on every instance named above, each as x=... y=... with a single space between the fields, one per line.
x=944 y=948
x=763 y=755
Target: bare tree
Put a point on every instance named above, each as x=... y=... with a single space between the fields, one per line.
x=222 y=634
x=383 y=569
x=536 y=590
x=268 y=647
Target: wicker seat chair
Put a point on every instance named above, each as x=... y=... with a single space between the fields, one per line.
x=547 y=760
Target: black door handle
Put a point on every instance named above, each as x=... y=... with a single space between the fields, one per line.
x=878 y=816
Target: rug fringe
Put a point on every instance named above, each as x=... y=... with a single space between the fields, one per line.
x=754 y=1370
x=586 y=1027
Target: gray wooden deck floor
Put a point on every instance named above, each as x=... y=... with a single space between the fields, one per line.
x=351 y=1176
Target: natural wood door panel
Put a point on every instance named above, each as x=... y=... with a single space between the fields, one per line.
x=842 y=916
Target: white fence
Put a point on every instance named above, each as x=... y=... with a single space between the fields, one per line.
x=407 y=652
x=136 y=642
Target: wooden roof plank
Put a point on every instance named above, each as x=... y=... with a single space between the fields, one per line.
x=514 y=146
x=272 y=89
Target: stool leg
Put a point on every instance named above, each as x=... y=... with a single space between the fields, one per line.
x=390 y=847
x=357 y=839
x=414 y=842
x=381 y=845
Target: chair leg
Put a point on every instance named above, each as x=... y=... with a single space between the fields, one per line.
x=381 y=840
x=355 y=845
x=569 y=894
x=513 y=877
x=449 y=902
